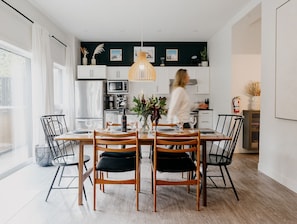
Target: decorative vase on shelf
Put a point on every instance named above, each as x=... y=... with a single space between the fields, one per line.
x=84 y=60
x=93 y=61
x=145 y=126
x=255 y=103
x=204 y=63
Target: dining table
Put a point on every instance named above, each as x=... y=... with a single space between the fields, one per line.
x=86 y=138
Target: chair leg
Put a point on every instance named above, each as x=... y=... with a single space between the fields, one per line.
x=52 y=184
x=155 y=191
x=84 y=190
x=94 y=191
x=152 y=181
x=61 y=175
x=89 y=176
x=235 y=192
x=188 y=178
x=223 y=175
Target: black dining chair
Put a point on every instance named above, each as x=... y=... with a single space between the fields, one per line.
x=62 y=151
x=220 y=153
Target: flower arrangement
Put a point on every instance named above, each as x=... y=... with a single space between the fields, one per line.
x=153 y=106
x=84 y=51
x=253 y=88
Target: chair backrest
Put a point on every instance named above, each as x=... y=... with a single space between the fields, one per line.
x=53 y=126
x=110 y=142
x=230 y=125
x=163 y=141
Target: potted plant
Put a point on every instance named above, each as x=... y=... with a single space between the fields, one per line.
x=203 y=56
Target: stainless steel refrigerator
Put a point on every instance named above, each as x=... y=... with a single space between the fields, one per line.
x=89 y=104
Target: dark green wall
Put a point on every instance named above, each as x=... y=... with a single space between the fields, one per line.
x=185 y=51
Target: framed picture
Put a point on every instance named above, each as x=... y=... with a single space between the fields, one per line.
x=116 y=55
x=150 y=53
x=171 y=54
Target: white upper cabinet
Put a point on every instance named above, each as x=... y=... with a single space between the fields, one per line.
x=91 y=72
x=117 y=72
x=203 y=80
x=162 y=81
x=199 y=73
x=202 y=76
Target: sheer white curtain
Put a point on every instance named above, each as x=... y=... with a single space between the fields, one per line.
x=68 y=89
x=42 y=80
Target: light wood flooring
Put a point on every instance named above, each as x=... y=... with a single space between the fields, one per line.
x=262 y=200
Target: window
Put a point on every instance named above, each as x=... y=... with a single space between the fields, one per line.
x=15 y=110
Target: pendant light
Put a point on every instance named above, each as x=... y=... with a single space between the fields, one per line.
x=142 y=70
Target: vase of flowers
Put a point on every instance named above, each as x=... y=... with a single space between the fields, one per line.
x=253 y=89
x=84 y=51
x=154 y=107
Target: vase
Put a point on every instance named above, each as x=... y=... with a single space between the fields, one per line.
x=145 y=128
x=84 y=61
x=255 y=103
x=93 y=61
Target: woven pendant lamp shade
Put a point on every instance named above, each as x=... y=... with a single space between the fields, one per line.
x=142 y=70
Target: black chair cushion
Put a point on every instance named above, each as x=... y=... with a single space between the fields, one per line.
x=170 y=155
x=116 y=164
x=177 y=164
x=118 y=154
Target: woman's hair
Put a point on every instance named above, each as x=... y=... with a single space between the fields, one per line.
x=180 y=78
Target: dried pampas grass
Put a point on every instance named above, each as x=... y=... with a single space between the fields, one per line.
x=253 y=88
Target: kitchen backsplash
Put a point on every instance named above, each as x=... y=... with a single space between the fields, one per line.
x=147 y=88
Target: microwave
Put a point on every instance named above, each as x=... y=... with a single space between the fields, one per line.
x=117 y=86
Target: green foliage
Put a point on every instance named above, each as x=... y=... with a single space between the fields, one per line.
x=203 y=54
x=153 y=106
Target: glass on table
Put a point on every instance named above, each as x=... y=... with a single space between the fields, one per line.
x=180 y=125
x=192 y=122
x=89 y=125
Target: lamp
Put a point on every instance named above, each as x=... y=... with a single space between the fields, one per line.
x=142 y=70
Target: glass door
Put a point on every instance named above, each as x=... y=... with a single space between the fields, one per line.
x=15 y=111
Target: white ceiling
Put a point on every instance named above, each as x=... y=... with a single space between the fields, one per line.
x=135 y=20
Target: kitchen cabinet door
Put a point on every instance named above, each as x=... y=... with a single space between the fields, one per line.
x=162 y=81
x=201 y=74
x=117 y=72
x=91 y=71
x=205 y=119
x=202 y=77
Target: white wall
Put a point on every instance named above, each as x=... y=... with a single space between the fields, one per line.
x=229 y=72
x=16 y=30
x=245 y=68
x=278 y=157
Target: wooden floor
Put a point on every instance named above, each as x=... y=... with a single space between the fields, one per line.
x=262 y=200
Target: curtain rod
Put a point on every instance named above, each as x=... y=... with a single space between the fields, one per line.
x=31 y=20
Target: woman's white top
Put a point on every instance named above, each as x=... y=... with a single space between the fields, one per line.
x=180 y=106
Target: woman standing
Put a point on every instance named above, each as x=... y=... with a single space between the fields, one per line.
x=180 y=104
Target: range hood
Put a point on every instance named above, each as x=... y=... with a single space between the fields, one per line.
x=191 y=82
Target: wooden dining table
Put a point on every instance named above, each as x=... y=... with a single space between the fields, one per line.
x=84 y=138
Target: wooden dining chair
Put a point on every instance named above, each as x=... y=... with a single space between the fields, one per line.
x=162 y=127
x=168 y=160
x=125 y=150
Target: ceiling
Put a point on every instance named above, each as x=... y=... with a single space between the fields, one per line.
x=136 y=20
